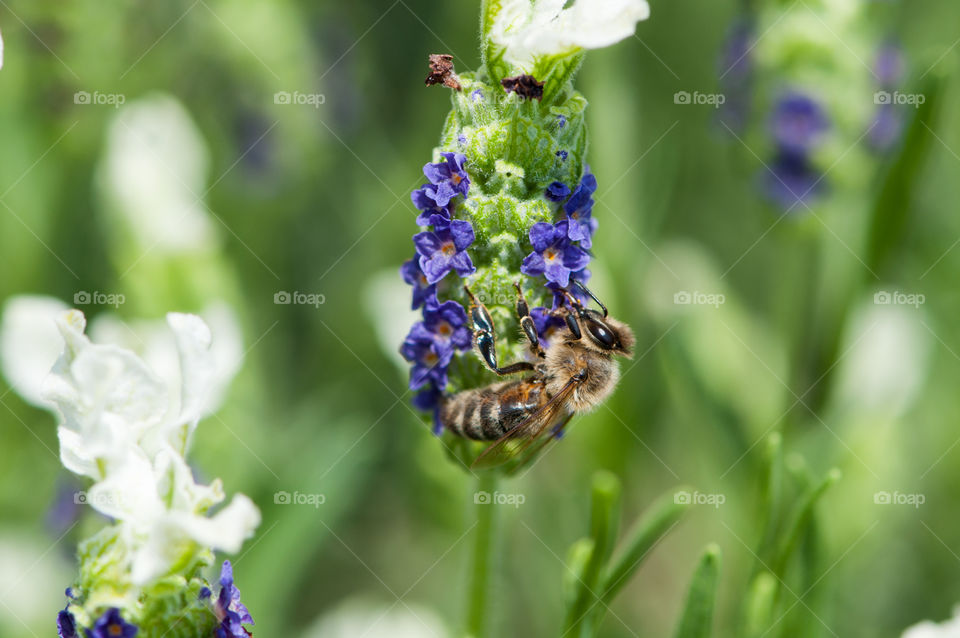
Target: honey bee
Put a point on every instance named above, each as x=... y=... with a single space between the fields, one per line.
x=575 y=373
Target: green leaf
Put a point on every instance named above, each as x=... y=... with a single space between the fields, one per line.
x=697 y=618
x=604 y=520
x=889 y=218
x=577 y=558
x=799 y=519
x=771 y=487
x=656 y=521
x=759 y=604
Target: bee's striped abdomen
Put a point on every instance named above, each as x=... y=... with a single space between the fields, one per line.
x=486 y=414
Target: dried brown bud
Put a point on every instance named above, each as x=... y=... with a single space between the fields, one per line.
x=441 y=71
x=526 y=86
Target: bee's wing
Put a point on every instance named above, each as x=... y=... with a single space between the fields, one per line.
x=520 y=437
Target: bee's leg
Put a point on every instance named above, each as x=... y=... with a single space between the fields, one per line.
x=483 y=339
x=526 y=323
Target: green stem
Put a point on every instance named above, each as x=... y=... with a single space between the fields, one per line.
x=483 y=549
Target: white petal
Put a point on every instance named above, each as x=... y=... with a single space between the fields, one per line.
x=927 y=629
x=105 y=394
x=528 y=31
x=74 y=454
x=30 y=344
x=227 y=529
x=129 y=493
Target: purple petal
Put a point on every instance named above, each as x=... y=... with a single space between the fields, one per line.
x=427 y=244
x=434 y=269
x=541 y=236
x=558 y=273
x=462 y=232
x=463 y=264
x=574 y=258
x=533 y=265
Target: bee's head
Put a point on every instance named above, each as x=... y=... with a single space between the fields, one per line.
x=598 y=330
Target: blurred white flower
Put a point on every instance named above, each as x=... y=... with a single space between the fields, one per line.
x=358 y=617
x=886 y=361
x=123 y=427
x=531 y=29
x=30 y=343
x=154 y=175
x=927 y=629
x=1 y=50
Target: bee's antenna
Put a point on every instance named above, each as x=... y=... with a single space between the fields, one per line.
x=592 y=296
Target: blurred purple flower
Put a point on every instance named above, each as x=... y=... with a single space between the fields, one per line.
x=798 y=123
x=111 y=625
x=428 y=400
x=231 y=613
x=66 y=625
x=792 y=181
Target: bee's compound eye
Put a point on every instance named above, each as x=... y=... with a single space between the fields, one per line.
x=602 y=334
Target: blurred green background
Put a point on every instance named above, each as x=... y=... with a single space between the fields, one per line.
x=315 y=198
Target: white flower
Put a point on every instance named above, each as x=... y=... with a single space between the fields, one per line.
x=927 y=629
x=122 y=426
x=154 y=175
x=30 y=343
x=531 y=29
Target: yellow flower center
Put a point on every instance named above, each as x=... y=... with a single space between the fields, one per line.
x=448 y=249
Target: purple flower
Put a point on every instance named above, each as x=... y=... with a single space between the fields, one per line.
x=561 y=121
x=429 y=356
x=798 y=123
x=562 y=155
x=889 y=64
x=557 y=192
x=423 y=292
x=231 y=613
x=428 y=400
x=736 y=75
x=578 y=209
x=447 y=322
x=547 y=323
x=66 y=625
x=111 y=625
x=559 y=296
x=792 y=181
x=424 y=198
x=449 y=177
x=445 y=248
x=886 y=129
x=553 y=253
